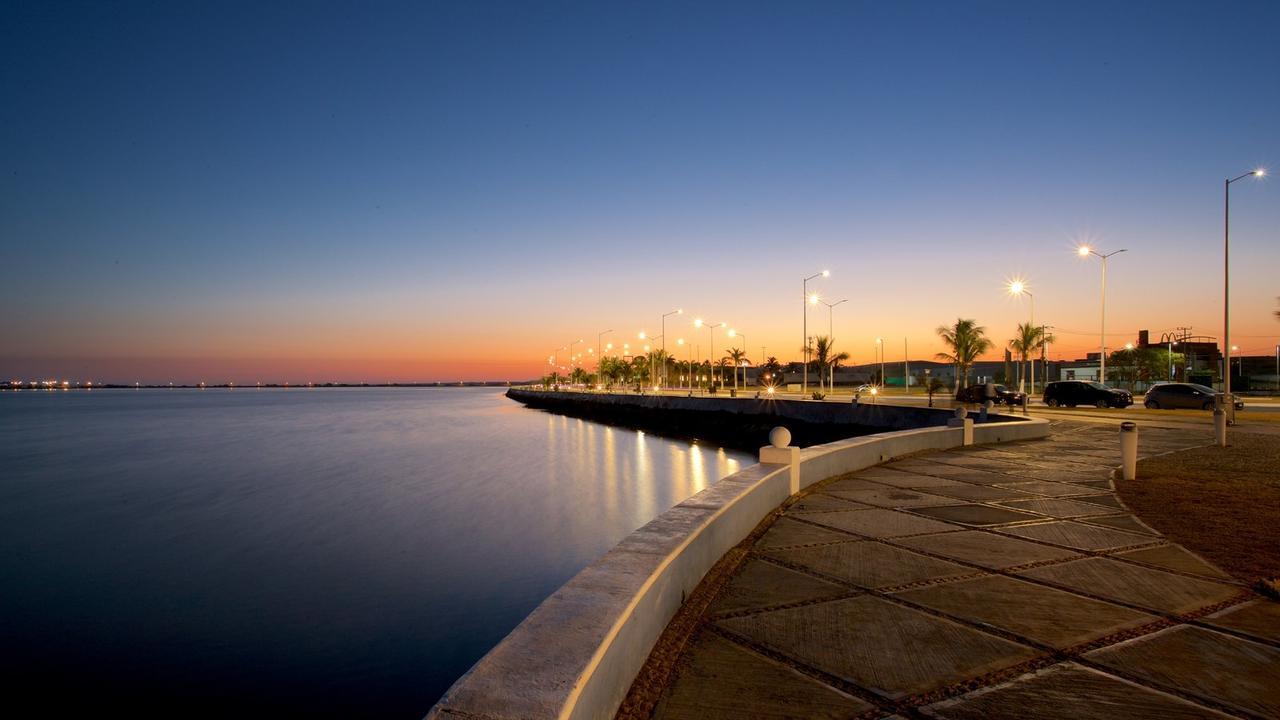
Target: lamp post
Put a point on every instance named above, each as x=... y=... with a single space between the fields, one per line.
x=677 y=311
x=711 y=354
x=575 y=342
x=831 y=337
x=680 y=342
x=880 y=356
x=735 y=333
x=1018 y=288
x=600 y=355
x=804 y=306
x=1085 y=251
x=1230 y=406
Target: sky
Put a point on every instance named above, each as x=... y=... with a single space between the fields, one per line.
x=271 y=192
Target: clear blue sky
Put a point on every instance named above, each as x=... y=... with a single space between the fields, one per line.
x=426 y=191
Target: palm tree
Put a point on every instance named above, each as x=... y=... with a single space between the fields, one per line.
x=968 y=342
x=737 y=356
x=1024 y=343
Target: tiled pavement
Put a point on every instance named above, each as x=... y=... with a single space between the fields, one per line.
x=990 y=582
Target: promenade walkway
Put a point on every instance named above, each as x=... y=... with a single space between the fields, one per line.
x=990 y=582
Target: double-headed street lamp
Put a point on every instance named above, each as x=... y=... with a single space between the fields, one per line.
x=1085 y=251
x=808 y=300
x=1017 y=288
x=652 y=362
x=711 y=333
x=1228 y=404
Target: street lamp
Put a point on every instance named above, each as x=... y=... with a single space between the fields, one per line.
x=677 y=311
x=711 y=333
x=1085 y=251
x=735 y=333
x=1226 y=289
x=806 y=302
x=831 y=337
x=600 y=354
x=1018 y=288
x=880 y=356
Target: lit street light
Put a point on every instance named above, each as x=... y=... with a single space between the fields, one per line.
x=804 y=306
x=735 y=333
x=880 y=357
x=677 y=311
x=711 y=332
x=600 y=354
x=1085 y=251
x=1227 y=402
x=1018 y=288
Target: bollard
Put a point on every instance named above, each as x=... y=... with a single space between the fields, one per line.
x=1024 y=403
x=1220 y=427
x=780 y=452
x=963 y=423
x=1129 y=450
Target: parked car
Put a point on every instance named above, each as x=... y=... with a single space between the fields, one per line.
x=978 y=394
x=1171 y=396
x=1070 y=393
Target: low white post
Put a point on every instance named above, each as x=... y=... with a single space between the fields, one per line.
x=1129 y=450
x=781 y=452
x=962 y=421
x=1220 y=427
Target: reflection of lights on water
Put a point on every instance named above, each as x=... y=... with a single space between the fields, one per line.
x=698 y=469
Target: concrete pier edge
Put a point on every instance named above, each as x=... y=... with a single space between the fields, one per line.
x=576 y=655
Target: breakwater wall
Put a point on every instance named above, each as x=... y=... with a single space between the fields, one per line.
x=741 y=422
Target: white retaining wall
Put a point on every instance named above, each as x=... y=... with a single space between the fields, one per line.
x=578 y=652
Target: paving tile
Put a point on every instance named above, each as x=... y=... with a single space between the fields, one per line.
x=893 y=497
x=1076 y=535
x=787 y=532
x=969 y=491
x=976 y=514
x=881 y=523
x=1122 y=522
x=1107 y=500
x=851 y=484
x=1259 y=618
x=869 y=564
x=1174 y=557
x=818 y=502
x=760 y=584
x=1068 y=690
x=879 y=645
x=1136 y=585
x=1049 y=616
x=1056 y=507
x=985 y=549
x=1204 y=663
x=914 y=480
x=1046 y=487
x=718 y=678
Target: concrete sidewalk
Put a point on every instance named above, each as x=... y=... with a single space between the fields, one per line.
x=994 y=582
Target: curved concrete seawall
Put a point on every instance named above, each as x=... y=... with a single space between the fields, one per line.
x=742 y=421
x=577 y=654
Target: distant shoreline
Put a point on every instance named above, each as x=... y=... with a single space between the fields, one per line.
x=256 y=386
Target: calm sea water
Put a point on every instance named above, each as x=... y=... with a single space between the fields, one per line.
x=338 y=552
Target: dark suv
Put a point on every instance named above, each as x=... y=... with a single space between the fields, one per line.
x=978 y=394
x=1070 y=393
x=1168 y=396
